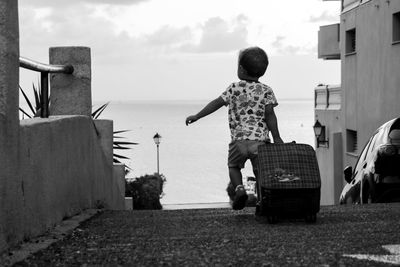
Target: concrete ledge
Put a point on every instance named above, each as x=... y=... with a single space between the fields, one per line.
x=63 y=170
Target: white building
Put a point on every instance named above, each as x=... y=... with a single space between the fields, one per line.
x=367 y=41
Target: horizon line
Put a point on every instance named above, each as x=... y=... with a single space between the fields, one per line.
x=185 y=100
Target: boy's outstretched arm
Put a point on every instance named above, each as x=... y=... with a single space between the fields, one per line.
x=272 y=124
x=214 y=105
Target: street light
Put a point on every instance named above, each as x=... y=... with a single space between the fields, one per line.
x=319 y=131
x=157 y=140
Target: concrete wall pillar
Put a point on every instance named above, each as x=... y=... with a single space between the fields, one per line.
x=119 y=177
x=10 y=183
x=119 y=172
x=71 y=94
x=104 y=130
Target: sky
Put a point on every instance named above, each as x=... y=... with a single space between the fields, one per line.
x=181 y=49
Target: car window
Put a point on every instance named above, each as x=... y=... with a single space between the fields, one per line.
x=371 y=145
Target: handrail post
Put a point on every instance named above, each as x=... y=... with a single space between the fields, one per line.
x=71 y=94
x=44 y=83
x=44 y=70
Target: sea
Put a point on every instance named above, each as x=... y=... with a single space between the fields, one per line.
x=193 y=158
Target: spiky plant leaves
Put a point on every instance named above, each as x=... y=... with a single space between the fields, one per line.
x=121 y=131
x=28 y=102
x=121 y=145
x=37 y=91
x=24 y=113
x=37 y=96
x=127 y=168
x=100 y=110
x=118 y=143
x=120 y=156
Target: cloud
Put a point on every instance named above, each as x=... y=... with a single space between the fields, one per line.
x=118 y=59
x=61 y=3
x=283 y=49
x=324 y=17
x=217 y=35
x=213 y=36
x=278 y=42
x=75 y=27
x=45 y=27
x=169 y=36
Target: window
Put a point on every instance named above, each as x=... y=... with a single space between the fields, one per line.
x=360 y=160
x=351 y=145
x=350 y=41
x=396 y=27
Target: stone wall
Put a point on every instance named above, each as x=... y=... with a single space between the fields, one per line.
x=51 y=168
x=63 y=171
x=9 y=123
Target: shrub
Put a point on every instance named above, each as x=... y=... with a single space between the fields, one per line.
x=146 y=191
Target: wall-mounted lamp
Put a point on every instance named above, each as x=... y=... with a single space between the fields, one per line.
x=319 y=131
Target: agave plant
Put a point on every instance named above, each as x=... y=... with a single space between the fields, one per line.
x=118 y=144
x=34 y=110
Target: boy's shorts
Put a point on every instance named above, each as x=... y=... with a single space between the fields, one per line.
x=242 y=150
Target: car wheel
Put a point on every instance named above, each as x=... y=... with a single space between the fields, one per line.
x=349 y=200
x=365 y=193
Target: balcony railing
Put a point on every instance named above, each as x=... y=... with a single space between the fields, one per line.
x=350 y=4
x=44 y=70
x=328 y=97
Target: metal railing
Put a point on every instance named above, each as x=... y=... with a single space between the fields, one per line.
x=44 y=70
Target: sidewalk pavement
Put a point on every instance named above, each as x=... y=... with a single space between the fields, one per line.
x=342 y=236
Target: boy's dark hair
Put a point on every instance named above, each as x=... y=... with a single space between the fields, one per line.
x=254 y=60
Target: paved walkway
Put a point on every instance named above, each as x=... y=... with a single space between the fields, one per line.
x=342 y=236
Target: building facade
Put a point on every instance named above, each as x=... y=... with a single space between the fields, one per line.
x=367 y=41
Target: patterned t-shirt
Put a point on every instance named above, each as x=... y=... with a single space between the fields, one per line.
x=247 y=102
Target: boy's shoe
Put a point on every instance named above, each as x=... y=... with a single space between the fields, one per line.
x=240 y=199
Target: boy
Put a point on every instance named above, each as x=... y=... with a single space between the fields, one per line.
x=251 y=117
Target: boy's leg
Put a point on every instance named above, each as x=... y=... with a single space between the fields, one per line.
x=253 y=155
x=235 y=175
x=239 y=202
x=254 y=160
x=236 y=159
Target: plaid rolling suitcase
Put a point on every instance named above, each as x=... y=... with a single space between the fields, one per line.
x=289 y=183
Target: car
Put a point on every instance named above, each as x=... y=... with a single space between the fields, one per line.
x=376 y=175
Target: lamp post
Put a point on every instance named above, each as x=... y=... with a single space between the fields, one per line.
x=157 y=139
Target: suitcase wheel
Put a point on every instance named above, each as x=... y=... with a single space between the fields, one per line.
x=258 y=209
x=272 y=219
x=311 y=218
